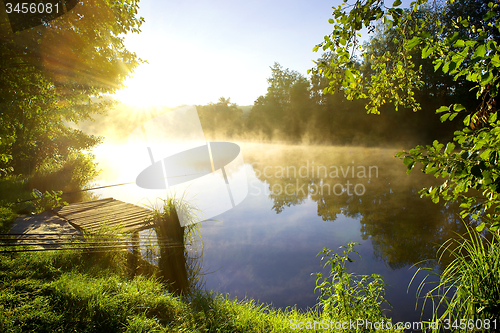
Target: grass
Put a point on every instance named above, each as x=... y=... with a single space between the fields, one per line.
x=61 y=292
x=176 y=263
x=468 y=287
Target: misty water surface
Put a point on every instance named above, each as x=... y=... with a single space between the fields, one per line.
x=304 y=198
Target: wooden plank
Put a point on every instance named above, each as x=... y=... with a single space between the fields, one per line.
x=102 y=205
x=103 y=214
x=104 y=210
x=124 y=221
x=86 y=204
x=130 y=227
x=111 y=212
x=112 y=216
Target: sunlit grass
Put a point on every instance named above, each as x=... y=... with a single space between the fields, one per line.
x=469 y=286
x=66 y=291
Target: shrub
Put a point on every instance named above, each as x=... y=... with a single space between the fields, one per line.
x=347 y=296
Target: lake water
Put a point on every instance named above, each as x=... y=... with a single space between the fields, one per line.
x=302 y=199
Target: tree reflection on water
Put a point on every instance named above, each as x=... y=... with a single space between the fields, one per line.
x=404 y=228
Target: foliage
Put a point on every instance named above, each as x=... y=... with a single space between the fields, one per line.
x=14 y=188
x=72 y=175
x=166 y=219
x=346 y=295
x=394 y=76
x=285 y=107
x=220 y=119
x=464 y=48
x=47 y=201
x=468 y=287
x=473 y=55
x=7 y=217
x=294 y=109
x=54 y=74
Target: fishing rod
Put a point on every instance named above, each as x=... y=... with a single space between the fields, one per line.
x=41 y=196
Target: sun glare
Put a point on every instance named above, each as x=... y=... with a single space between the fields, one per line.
x=143 y=89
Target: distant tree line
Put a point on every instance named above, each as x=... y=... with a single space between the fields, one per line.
x=321 y=110
x=296 y=110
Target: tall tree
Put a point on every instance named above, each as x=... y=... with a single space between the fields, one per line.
x=53 y=75
x=286 y=105
x=222 y=119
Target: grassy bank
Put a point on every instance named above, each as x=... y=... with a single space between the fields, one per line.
x=63 y=291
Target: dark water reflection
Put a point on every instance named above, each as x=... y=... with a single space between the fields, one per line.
x=266 y=247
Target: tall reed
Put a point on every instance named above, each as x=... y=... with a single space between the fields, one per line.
x=467 y=295
x=179 y=267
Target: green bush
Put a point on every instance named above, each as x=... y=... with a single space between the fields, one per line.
x=7 y=217
x=12 y=189
x=71 y=175
x=347 y=296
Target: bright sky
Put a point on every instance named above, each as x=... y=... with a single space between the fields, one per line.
x=200 y=50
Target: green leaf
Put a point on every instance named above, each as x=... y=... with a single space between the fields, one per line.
x=413 y=42
x=453 y=38
x=449 y=147
x=485 y=154
x=443 y=109
x=458 y=107
x=400 y=153
x=437 y=65
x=444 y=117
x=330 y=21
x=407 y=160
x=480 y=52
x=486 y=78
x=495 y=60
x=480 y=227
x=493 y=117
x=446 y=67
x=427 y=51
x=396 y=3
x=349 y=75
x=467 y=120
x=488 y=15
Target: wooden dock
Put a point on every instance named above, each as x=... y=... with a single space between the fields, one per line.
x=91 y=215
